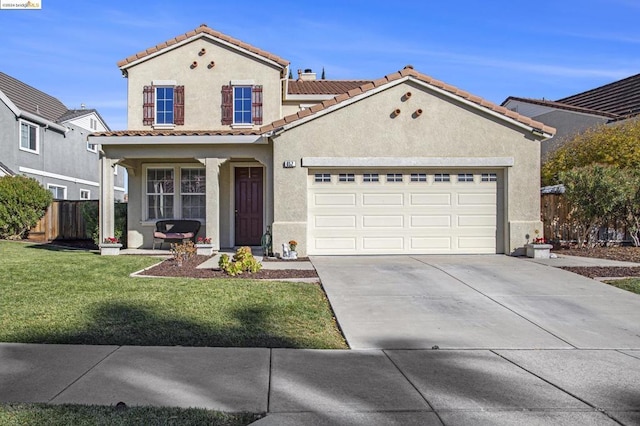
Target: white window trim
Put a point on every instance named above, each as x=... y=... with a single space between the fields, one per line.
x=235 y=125
x=162 y=126
x=94 y=149
x=177 y=194
x=85 y=191
x=64 y=189
x=37 y=150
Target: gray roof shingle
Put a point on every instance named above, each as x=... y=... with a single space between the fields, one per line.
x=30 y=99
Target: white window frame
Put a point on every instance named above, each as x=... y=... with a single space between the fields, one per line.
x=322 y=178
x=202 y=194
x=177 y=193
x=489 y=177
x=442 y=177
x=87 y=194
x=418 y=177
x=233 y=100
x=156 y=110
x=28 y=123
x=465 y=177
x=92 y=147
x=395 y=177
x=346 y=177
x=64 y=190
x=370 y=177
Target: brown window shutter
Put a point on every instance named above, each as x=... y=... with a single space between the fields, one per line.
x=256 y=104
x=227 y=105
x=148 y=104
x=178 y=105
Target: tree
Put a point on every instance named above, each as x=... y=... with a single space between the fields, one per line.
x=23 y=202
x=616 y=145
x=595 y=196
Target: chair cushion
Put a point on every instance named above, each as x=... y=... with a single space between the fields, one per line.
x=173 y=235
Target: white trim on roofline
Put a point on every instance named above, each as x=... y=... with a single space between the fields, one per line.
x=63 y=177
x=29 y=116
x=197 y=36
x=393 y=83
x=173 y=139
x=382 y=162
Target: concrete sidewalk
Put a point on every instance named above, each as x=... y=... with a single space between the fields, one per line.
x=327 y=387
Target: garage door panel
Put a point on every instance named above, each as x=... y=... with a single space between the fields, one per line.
x=430 y=199
x=431 y=243
x=336 y=243
x=335 y=199
x=430 y=221
x=383 y=221
x=469 y=199
x=383 y=243
x=371 y=199
x=400 y=215
x=342 y=221
x=474 y=221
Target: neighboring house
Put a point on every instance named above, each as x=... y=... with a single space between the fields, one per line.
x=608 y=104
x=401 y=164
x=43 y=139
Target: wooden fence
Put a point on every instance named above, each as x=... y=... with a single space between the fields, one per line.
x=62 y=221
x=558 y=226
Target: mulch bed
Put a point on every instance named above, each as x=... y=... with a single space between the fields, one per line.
x=170 y=268
x=625 y=254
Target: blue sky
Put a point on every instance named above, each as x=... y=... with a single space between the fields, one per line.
x=493 y=49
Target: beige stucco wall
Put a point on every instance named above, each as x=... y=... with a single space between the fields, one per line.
x=136 y=157
x=203 y=84
x=445 y=129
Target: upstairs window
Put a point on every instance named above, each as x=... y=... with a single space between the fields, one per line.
x=28 y=137
x=241 y=105
x=163 y=105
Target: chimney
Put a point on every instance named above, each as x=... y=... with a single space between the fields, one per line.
x=82 y=106
x=307 y=75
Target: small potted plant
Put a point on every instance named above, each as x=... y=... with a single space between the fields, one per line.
x=292 y=249
x=204 y=246
x=538 y=248
x=110 y=246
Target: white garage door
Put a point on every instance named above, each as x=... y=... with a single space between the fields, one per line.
x=402 y=211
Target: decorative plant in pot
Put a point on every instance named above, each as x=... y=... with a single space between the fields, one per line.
x=538 y=248
x=204 y=246
x=110 y=246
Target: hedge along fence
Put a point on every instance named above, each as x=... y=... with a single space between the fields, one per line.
x=557 y=224
x=64 y=220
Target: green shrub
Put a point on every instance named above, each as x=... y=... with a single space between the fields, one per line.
x=23 y=202
x=243 y=261
x=91 y=212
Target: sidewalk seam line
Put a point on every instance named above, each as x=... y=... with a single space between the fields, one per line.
x=498 y=303
x=269 y=385
x=384 y=351
x=597 y=409
x=85 y=373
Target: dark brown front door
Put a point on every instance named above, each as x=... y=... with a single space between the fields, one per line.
x=248 y=207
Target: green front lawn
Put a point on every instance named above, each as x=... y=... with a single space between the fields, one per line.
x=63 y=415
x=629 y=284
x=63 y=296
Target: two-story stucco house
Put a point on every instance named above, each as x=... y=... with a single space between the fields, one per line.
x=43 y=139
x=401 y=164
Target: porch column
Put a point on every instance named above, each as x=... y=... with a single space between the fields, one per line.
x=107 y=200
x=212 y=200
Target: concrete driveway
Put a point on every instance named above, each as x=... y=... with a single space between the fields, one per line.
x=474 y=302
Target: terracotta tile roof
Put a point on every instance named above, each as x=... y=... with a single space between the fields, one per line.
x=117 y=133
x=30 y=99
x=322 y=87
x=620 y=97
x=408 y=72
x=559 y=105
x=203 y=29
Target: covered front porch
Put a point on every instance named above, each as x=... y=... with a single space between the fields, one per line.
x=223 y=182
